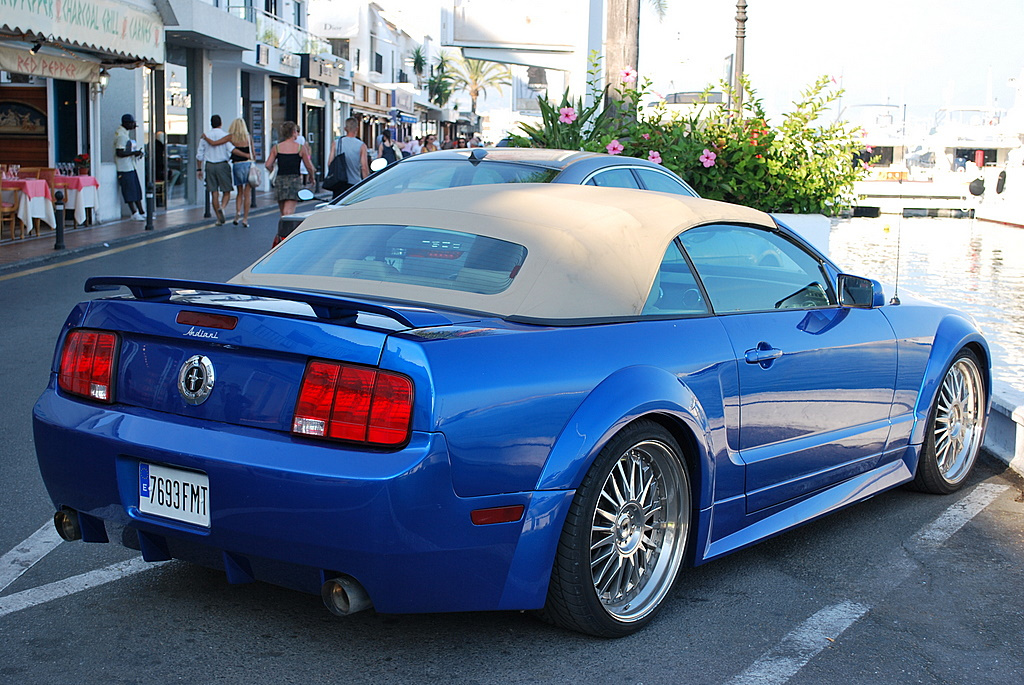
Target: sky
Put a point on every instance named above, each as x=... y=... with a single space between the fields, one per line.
x=922 y=53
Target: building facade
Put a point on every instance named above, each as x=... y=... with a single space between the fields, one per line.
x=70 y=69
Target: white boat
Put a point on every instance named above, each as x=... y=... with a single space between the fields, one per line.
x=931 y=175
x=1002 y=200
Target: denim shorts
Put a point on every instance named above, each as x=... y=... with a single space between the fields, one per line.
x=240 y=173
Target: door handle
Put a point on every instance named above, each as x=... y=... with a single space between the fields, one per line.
x=764 y=354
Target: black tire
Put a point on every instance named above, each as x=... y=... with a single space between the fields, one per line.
x=625 y=536
x=956 y=427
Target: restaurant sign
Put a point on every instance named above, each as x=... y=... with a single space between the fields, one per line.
x=105 y=25
x=50 y=66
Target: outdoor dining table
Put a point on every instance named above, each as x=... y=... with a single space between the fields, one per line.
x=36 y=201
x=80 y=193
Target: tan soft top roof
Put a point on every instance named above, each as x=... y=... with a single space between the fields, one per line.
x=591 y=252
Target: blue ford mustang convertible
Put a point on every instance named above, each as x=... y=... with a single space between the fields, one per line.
x=542 y=397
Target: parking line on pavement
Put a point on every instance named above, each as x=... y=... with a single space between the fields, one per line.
x=69 y=586
x=799 y=646
x=25 y=555
x=932 y=536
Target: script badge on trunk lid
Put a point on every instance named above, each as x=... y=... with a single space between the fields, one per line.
x=195 y=380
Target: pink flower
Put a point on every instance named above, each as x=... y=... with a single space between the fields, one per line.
x=614 y=147
x=654 y=156
x=567 y=115
x=645 y=136
x=628 y=75
x=708 y=158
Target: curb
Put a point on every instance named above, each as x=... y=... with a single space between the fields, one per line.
x=71 y=252
x=1004 y=438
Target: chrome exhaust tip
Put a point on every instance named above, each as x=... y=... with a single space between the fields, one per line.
x=66 y=523
x=344 y=596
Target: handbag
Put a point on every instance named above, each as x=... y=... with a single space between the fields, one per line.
x=337 y=173
x=255 y=176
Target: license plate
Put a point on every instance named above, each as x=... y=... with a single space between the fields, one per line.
x=175 y=494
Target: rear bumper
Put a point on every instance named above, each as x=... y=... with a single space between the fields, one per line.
x=293 y=512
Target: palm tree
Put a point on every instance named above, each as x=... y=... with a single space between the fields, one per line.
x=440 y=85
x=475 y=76
x=623 y=43
x=419 y=64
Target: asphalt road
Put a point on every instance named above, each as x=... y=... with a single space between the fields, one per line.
x=904 y=588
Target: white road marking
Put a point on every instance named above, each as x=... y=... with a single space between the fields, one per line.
x=69 y=586
x=25 y=555
x=932 y=536
x=797 y=648
x=801 y=645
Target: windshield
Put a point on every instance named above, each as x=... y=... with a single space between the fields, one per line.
x=412 y=177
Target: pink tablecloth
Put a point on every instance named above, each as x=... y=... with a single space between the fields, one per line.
x=76 y=182
x=36 y=201
x=81 y=192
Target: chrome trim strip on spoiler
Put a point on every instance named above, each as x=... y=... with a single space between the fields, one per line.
x=328 y=307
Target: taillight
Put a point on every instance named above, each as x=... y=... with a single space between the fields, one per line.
x=87 y=364
x=353 y=403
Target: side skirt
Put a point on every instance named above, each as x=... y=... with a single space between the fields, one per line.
x=791 y=515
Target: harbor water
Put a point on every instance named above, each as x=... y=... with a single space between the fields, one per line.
x=975 y=266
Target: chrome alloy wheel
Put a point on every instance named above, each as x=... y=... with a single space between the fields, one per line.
x=639 y=530
x=959 y=414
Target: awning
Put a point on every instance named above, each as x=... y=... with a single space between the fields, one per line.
x=105 y=26
x=21 y=61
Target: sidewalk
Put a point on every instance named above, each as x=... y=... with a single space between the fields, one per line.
x=34 y=250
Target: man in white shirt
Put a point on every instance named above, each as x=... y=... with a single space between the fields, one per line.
x=126 y=151
x=218 y=167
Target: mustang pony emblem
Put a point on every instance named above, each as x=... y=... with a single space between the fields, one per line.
x=195 y=379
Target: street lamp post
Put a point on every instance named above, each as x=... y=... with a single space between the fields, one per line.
x=741 y=34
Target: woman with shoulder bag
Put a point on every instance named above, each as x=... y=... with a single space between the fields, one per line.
x=289 y=156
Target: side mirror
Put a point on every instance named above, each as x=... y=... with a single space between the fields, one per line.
x=863 y=293
x=305 y=194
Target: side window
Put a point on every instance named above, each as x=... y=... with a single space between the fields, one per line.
x=655 y=180
x=747 y=269
x=675 y=289
x=614 y=178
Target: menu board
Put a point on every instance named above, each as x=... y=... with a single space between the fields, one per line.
x=258 y=129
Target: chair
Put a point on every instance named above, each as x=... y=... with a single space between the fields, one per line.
x=9 y=210
x=47 y=174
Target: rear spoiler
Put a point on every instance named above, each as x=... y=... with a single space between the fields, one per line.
x=328 y=307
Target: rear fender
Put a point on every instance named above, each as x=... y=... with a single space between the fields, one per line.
x=623 y=397
x=953 y=334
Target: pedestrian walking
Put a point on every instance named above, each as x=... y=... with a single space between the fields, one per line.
x=126 y=151
x=241 y=159
x=357 y=164
x=218 y=168
x=387 y=149
x=289 y=157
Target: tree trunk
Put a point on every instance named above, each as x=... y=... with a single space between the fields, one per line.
x=622 y=44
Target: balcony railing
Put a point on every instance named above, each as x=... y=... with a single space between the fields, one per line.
x=271 y=30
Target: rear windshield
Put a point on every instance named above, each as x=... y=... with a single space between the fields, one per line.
x=412 y=177
x=432 y=257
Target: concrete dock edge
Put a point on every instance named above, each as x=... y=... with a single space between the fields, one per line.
x=1004 y=438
